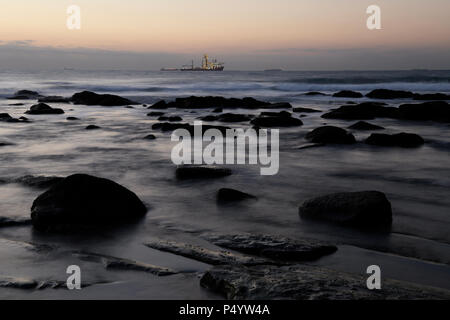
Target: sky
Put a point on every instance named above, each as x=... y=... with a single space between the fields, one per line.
x=245 y=34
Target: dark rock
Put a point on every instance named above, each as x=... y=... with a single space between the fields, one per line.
x=170 y=118
x=54 y=99
x=150 y=137
x=216 y=102
x=275 y=114
x=347 y=94
x=362 y=125
x=218 y=110
x=201 y=172
x=213 y=257
x=362 y=111
x=72 y=118
x=159 y=105
x=209 y=118
x=83 y=200
x=305 y=110
x=272 y=246
x=25 y=95
x=431 y=96
x=92 y=127
x=155 y=114
x=91 y=98
x=129 y=107
x=5 y=117
x=389 y=94
x=227 y=195
x=15 y=104
x=405 y=140
x=304 y=282
x=363 y=209
x=116 y=263
x=11 y=221
x=435 y=110
x=168 y=126
x=276 y=121
x=42 y=108
x=314 y=93
x=330 y=134
x=233 y=117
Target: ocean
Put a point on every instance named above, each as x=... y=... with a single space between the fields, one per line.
x=416 y=181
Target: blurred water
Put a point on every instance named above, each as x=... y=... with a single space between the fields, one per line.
x=416 y=181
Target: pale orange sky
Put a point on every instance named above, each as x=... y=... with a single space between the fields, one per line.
x=246 y=34
x=182 y=26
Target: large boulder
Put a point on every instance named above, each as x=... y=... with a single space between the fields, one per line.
x=347 y=94
x=364 y=208
x=81 y=200
x=389 y=94
x=330 y=134
x=434 y=110
x=42 y=108
x=405 y=140
x=91 y=98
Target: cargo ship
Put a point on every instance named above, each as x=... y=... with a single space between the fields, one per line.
x=207 y=65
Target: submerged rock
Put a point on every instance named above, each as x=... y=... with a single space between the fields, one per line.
x=362 y=125
x=233 y=117
x=305 y=110
x=272 y=246
x=170 y=118
x=110 y=262
x=314 y=93
x=364 y=208
x=213 y=257
x=91 y=98
x=84 y=200
x=347 y=94
x=72 y=118
x=7 y=118
x=228 y=195
x=303 y=282
x=25 y=95
x=431 y=96
x=159 y=105
x=92 y=127
x=42 y=108
x=276 y=121
x=389 y=94
x=201 y=172
x=330 y=134
x=14 y=221
x=362 y=111
x=54 y=99
x=405 y=140
x=150 y=137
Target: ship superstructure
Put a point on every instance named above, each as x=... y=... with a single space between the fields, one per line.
x=207 y=65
